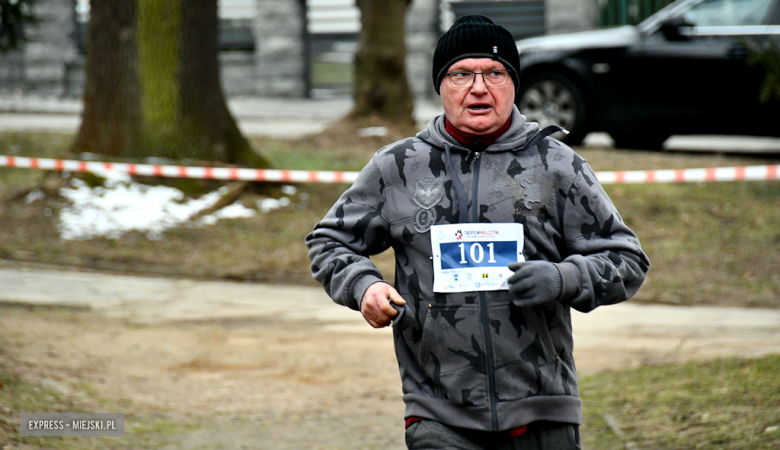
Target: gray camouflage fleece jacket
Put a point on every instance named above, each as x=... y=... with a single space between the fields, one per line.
x=472 y=359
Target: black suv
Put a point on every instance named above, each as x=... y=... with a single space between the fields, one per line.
x=687 y=69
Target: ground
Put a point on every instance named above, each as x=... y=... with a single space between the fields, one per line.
x=264 y=383
x=299 y=383
x=258 y=383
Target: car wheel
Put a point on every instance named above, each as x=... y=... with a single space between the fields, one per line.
x=639 y=140
x=553 y=99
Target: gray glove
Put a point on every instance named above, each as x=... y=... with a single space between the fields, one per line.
x=534 y=283
x=404 y=319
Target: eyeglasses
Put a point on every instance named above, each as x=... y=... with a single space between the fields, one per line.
x=463 y=79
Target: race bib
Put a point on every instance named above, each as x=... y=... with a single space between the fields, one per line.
x=474 y=256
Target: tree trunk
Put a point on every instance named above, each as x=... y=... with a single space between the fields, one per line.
x=380 y=82
x=153 y=84
x=112 y=116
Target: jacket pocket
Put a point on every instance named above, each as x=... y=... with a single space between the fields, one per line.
x=526 y=364
x=552 y=382
x=452 y=352
x=544 y=331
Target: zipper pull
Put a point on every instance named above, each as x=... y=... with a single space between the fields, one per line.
x=476 y=156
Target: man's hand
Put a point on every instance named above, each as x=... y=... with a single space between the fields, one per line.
x=534 y=283
x=376 y=307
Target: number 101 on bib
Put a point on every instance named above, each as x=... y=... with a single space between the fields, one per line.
x=474 y=257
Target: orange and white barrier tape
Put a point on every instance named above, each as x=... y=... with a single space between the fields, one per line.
x=745 y=173
x=152 y=170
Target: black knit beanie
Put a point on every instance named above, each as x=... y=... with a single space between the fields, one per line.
x=475 y=36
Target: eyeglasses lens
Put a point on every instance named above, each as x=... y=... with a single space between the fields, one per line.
x=462 y=80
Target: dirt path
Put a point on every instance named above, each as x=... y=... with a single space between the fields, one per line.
x=256 y=383
x=281 y=367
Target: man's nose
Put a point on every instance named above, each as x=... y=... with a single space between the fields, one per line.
x=478 y=86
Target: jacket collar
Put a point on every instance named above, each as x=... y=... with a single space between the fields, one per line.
x=474 y=141
x=515 y=137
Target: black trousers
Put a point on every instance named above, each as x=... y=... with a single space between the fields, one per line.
x=432 y=435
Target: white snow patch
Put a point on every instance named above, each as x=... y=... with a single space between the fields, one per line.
x=121 y=206
x=234 y=211
x=373 y=131
x=34 y=195
x=270 y=204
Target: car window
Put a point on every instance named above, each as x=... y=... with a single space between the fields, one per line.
x=719 y=13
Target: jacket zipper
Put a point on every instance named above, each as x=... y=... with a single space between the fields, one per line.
x=548 y=343
x=483 y=304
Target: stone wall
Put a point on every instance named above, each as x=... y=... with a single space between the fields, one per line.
x=12 y=72
x=237 y=74
x=422 y=34
x=41 y=64
x=49 y=63
x=280 y=48
x=564 y=16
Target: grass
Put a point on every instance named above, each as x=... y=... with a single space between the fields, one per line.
x=149 y=430
x=723 y=404
x=34 y=386
x=43 y=145
x=709 y=244
x=715 y=244
x=332 y=73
